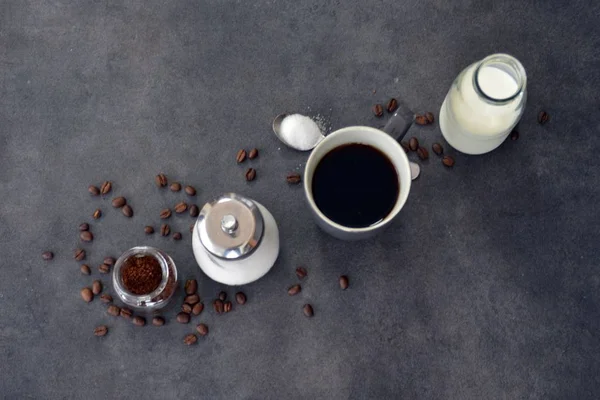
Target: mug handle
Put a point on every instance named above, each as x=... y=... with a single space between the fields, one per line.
x=397 y=127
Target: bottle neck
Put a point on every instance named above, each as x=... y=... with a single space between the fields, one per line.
x=499 y=79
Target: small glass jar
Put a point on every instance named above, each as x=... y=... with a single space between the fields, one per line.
x=157 y=298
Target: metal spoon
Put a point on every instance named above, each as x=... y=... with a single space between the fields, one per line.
x=277 y=130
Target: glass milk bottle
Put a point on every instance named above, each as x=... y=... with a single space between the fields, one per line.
x=484 y=104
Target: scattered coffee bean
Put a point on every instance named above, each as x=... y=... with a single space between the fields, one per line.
x=47 y=255
x=79 y=254
x=113 y=310
x=177 y=236
x=106 y=187
x=127 y=211
x=194 y=211
x=378 y=110
x=250 y=174
x=191 y=286
x=192 y=299
x=86 y=294
x=448 y=161
x=158 y=321
x=190 y=190
x=101 y=330
x=293 y=178
x=405 y=146
x=514 y=135
x=218 y=306
x=227 y=306
x=308 y=310
x=86 y=236
x=85 y=269
x=190 y=339
x=430 y=118
x=344 y=282
x=437 y=149
x=294 y=290
x=240 y=298
x=183 y=317
x=109 y=261
x=106 y=298
x=160 y=180
x=253 y=154
x=149 y=230
x=165 y=230
x=192 y=228
x=422 y=153
x=94 y=191
x=84 y=227
x=543 y=117
x=186 y=308
x=119 y=202
x=240 y=157
x=180 y=207
x=97 y=287
x=104 y=268
x=126 y=313
x=301 y=272
x=165 y=213
x=413 y=143
x=197 y=309
x=97 y=213
x=139 y=320
x=392 y=105
x=202 y=329
x=421 y=120
x=222 y=295
x=175 y=187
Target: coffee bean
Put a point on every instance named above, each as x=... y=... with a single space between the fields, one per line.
x=149 y=230
x=127 y=211
x=308 y=310
x=180 y=207
x=106 y=187
x=194 y=211
x=190 y=190
x=191 y=286
x=84 y=227
x=293 y=178
x=448 y=161
x=126 y=313
x=139 y=321
x=421 y=120
x=240 y=298
x=101 y=330
x=47 y=255
x=183 y=318
x=253 y=154
x=301 y=272
x=165 y=213
x=113 y=310
x=294 y=290
x=86 y=236
x=413 y=143
x=86 y=294
x=430 y=118
x=240 y=157
x=94 y=191
x=104 y=268
x=378 y=110
x=160 y=180
x=227 y=306
x=85 y=269
x=192 y=228
x=192 y=299
x=175 y=187
x=97 y=287
x=202 y=329
x=109 y=261
x=344 y=282
x=218 y=306
x=437 y=149
x=514 y=135
x=186 y=308
x=405 y=146
x=190 y=339
x=106 y=298
x=197 y=309
x=392 y=105
x=119 y=202
x=543 y=117
x=79 y=254
x=222 y=295
x=158 y=321
x=97 y=213
x=250 y=174
x=422 y=153
x=177 y=236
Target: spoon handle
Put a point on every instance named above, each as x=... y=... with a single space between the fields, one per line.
x=400 y=122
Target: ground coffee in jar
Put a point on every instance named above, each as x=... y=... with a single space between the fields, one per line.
x=141 y=275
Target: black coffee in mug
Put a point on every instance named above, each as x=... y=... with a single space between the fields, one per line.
x=355 y=185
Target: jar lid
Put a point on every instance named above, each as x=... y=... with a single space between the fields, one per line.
x=231 y=226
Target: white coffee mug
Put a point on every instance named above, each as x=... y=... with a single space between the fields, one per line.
x=363 y=135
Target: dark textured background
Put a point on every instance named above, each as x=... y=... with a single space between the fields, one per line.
x=485 y=288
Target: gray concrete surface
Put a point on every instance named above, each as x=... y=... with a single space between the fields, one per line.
x=485 y=288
